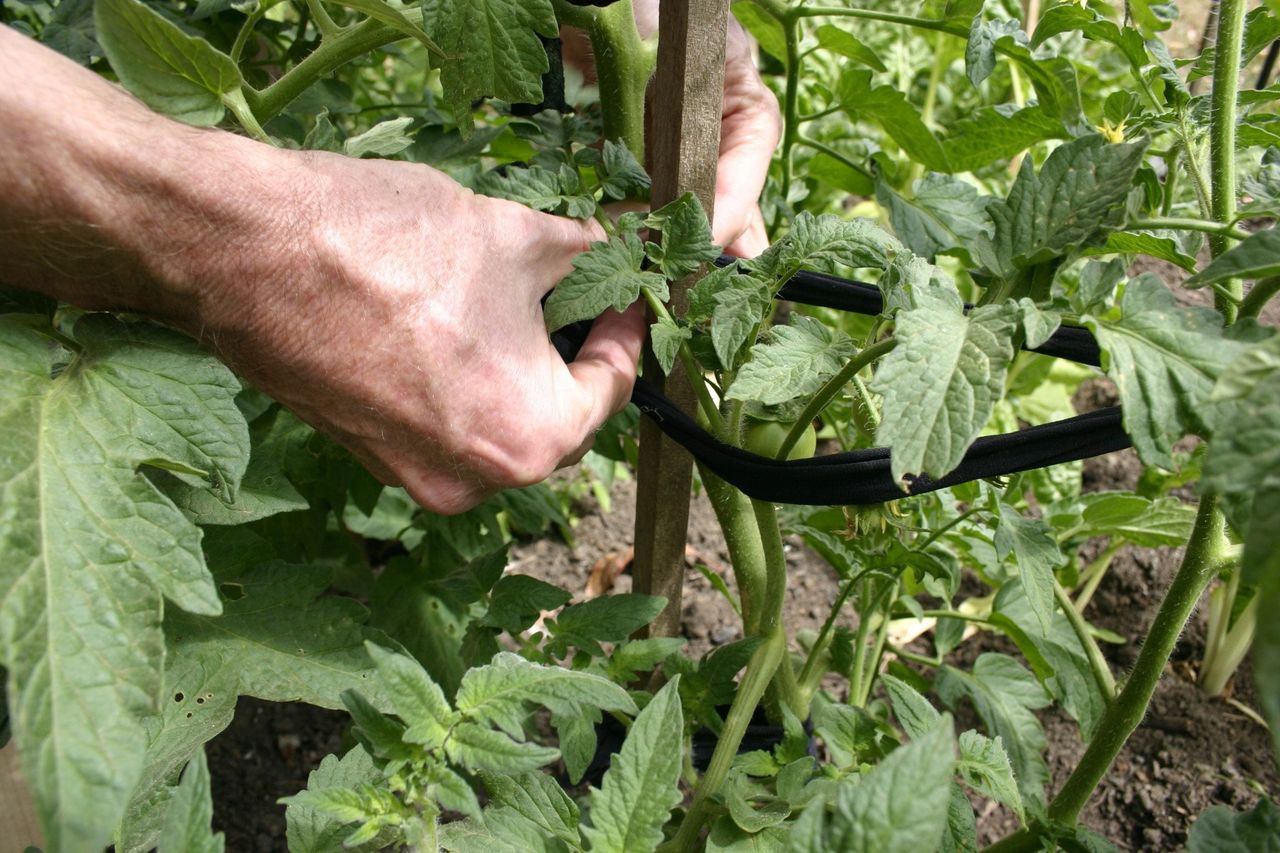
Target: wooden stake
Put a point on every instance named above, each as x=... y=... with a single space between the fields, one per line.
x=683 y=150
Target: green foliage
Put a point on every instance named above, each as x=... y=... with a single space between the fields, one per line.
x=1005 y=183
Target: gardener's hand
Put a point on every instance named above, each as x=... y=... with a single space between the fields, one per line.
x=403 y=320
x=750 y=127
x=387 y=306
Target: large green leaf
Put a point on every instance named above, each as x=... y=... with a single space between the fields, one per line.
x=943 y=215
x=1078 y=196
x=537 y=798
x=794 y=361
x=641 y=787
x=984 y=766
x=498 y=693
x=824 y=243
x=179 y=75
x=291 y=643
x=1164 y=359
x=418 y=700
x=1005 y=695
x=88 y=547
x=943 y=379
x=901 y=805
x=492 y=48
x=993 y=133
x=264 y=489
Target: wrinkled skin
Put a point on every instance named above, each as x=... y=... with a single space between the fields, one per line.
x=387 y=306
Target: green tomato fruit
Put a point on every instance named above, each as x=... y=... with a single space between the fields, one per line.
x=765 y=438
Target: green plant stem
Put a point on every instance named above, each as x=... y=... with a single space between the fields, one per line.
x=913 y=657
x=824 y=395
x=1170 y=184
x=757 y=677
x=1258 y=297
x=239 y=107
x=330 y=55
x=1094 y=573
x=941 y=531
x=246 y=30
x=859 y=679
x=824 y=636
x=954 y=29
x=1225 y=231
x=1222 y=133
x=823 y=148
x=325 y=24
x=1101 y=672
x=790 y=102
x=1124 y=714
x=742 y=540
x=877 y=655
x=623 y=67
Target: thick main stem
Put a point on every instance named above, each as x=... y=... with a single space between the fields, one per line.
x=1124 y=714
x=1222 y=135
x=623 y=68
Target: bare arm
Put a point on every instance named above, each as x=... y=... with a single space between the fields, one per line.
x=386 y=305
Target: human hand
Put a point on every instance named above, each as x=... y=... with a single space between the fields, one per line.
x=404 y=321
x=386 y=305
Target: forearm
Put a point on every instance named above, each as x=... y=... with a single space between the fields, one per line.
x=105 y=204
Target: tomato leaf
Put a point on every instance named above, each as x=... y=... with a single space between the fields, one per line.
x=1164 y=359
x=492 y=48
x=179 y=75
x=984 y=766
x=841 y=42
x=1004 y=695
x=686 y=237
x=1256 y=257
x=793 y=361
x=640 y=788
x=1078 y=196
x=607 y=276
x=943 y=216
x=895 y=114
x=91 y=548
x=931 y=416
x=1219 y=829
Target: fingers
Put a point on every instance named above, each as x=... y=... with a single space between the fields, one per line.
x=750 y=128
x=753 y=240
x=605 y=368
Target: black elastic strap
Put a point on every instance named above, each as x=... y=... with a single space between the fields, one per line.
x=865 y=476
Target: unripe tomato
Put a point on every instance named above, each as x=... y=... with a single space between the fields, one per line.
x=766 y=437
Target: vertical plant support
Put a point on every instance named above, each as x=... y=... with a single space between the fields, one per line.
x=683 y=149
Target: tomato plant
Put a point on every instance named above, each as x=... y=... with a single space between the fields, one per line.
x=1007 y=173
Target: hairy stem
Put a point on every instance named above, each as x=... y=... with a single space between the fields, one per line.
x=742 y=540
x=1222 y=134
x=623 y=68
x=1258 y=297
x=755 y=680
x=1101 y=672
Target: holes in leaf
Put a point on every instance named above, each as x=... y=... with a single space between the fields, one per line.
x=179 y=696
x=231 y=591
